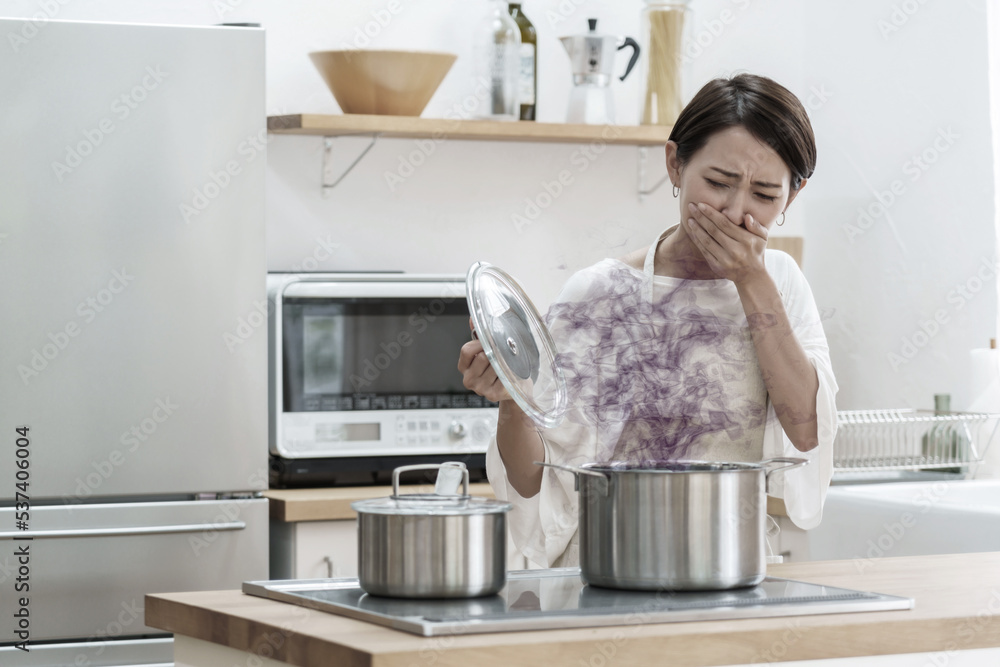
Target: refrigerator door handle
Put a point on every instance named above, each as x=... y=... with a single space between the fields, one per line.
x=114 y=532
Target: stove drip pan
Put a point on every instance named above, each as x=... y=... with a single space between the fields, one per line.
x=557 y=599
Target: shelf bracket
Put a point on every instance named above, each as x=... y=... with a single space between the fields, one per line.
x=327 y=178
x=643 y=190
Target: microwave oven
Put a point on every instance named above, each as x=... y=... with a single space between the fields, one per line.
x=363 y=371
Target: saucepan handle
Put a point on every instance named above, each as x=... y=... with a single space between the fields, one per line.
x=576 y=470
x=433 y=466
x=783 y=464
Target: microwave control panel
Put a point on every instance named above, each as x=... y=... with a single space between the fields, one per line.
x=385 y=432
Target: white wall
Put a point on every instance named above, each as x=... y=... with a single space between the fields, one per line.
x=458 y=205
x=905 y=88
x=876 y=98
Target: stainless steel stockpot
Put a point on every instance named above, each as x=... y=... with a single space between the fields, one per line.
x=434 y=545
x=679 y=525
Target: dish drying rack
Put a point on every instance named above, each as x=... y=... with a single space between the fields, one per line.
x=904 y=439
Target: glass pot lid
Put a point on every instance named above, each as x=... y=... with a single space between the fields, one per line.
x=517 y=343
x=445 y=501
x=431 y=505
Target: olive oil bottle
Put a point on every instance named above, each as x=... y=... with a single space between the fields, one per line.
x=528 y=73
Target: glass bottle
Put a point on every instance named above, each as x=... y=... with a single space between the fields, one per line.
x=946 y=442
x=497 y=55
x=944 y=435
x=663 y=41
x=528 y=72
x=954 y=439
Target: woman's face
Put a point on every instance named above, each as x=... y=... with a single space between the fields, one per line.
x=735 y=174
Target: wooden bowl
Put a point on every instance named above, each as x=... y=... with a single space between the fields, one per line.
x=395 y=83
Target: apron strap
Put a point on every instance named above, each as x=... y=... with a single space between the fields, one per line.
x=647 y=267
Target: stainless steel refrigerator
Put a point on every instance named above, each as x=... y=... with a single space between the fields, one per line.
x=133 y=351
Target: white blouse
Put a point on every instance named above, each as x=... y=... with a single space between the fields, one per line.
x=662 y=368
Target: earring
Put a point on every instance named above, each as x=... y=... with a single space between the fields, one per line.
x=782 y=219
x=677 y=191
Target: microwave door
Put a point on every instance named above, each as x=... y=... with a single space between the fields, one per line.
x=368 y=370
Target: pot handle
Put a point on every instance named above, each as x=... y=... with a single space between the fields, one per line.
x=603 y=488
x=432 y=466
x=789 y=463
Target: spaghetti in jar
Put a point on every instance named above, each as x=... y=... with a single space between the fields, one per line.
x=663 y=35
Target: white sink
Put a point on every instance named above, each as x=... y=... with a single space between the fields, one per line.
x=906 y=519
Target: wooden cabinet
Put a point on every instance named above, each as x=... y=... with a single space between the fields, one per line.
x=792 y=542
x=314 y=549
x=788 y=541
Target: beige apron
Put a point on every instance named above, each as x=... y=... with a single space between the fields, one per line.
x=689 y=379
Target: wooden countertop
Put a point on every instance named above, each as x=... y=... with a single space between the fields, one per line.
x=335 y=503
x=957 y=604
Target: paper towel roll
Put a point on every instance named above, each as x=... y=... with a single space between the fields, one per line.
x=984 y=388
x=984 y=380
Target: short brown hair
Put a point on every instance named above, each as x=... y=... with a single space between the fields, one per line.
x=768 y=110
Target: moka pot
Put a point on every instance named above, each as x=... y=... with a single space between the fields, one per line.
x=592 y=59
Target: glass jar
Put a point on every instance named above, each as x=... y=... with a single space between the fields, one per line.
x=665 y=26
x=497 y=63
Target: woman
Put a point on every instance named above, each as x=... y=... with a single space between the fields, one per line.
x=704 y=346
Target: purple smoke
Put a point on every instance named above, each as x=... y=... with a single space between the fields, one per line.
x=637 y=374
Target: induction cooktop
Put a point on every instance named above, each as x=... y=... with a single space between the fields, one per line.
x=558 y=598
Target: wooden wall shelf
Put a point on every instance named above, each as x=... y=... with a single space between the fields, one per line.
x=412 y=127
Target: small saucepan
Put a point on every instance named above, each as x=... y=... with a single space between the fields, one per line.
x=434 y=545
